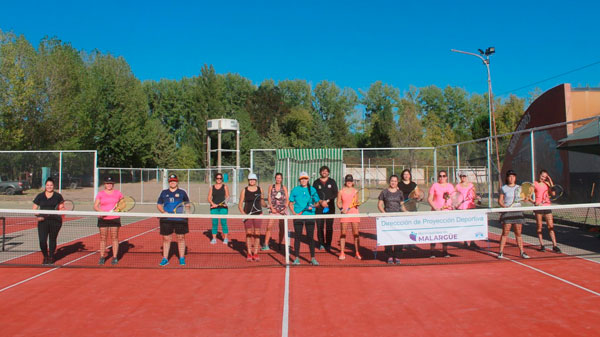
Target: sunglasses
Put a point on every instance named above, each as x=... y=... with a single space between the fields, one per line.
x=218 y=178
x=442 y=176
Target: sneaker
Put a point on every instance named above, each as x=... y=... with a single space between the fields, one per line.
x=256 y=258
x=213 y=241
x=342 y=257
x=46 y=261
x=397 y=260
x=263 y=248
x=500 y=255
x=473 y=245
x=163 y=262
x=446 y=254
x=358 y=257
x=556 y=249
x=524 y=255
x=390 y=261
x=432 y=256
x=314 y=262
x=249 y=258
x=102 y=261
x=542 y=249
x=296 y=261
x=114 y=261
x=226 y=241
x=321 y=247
x=182 y=261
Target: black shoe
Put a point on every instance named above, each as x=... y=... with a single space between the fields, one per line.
x=542 y=248
x=474 y=245
x=556 y=249
x=45 y=261
x=102 y=261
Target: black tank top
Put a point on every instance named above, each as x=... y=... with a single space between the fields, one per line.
x=218 y=195
x=252 y=201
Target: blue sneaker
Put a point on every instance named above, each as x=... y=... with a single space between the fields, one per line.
x=182 y=261
x=163 y=262
x=296 y=261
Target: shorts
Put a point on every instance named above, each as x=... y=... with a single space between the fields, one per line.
x=252 y=223
x=167 y=227
x=543 y=212
x=512 y=218
x=109 y=222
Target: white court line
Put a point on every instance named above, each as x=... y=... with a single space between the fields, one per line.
x=286 y=303
x=554 y=276
x=68 y=263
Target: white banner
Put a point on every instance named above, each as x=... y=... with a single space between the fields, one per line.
x=435 y=227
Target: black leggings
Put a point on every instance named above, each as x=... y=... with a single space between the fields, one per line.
x=48 y=232
x=310 y=233
x=393 y=251
x=325 y=231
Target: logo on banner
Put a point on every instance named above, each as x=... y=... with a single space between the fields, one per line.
x=479 y=235
x=413 y=236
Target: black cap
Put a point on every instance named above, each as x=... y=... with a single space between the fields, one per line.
x=109 y=180
x=348 y=177
x=173 y=177
x=511 y=173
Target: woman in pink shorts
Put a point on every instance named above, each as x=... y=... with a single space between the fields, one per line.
x=346 y=202
x=106 y=200
x=542 y=198
x=439 y=200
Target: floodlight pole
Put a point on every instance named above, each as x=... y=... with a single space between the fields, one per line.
x=486 y=62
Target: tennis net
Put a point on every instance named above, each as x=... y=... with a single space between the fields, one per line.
x=141 y=244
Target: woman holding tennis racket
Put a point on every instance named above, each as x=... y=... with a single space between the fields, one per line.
x=543 y=192
x=347 y=201
x=278 y=204
x=106 y=201
x=217 y=197
x=303 y=201
x=392 y=200
x=48 y=225
x=468 y=194
x=412 y=193
x=173 y=200
x=510 y=195
x=439 y=200
x=252 y=202
x=327 y=190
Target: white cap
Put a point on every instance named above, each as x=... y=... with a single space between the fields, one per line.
x=252 y=176
x=303 y=175
x=461 y=173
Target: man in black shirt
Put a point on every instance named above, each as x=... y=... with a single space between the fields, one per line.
x=328 y=190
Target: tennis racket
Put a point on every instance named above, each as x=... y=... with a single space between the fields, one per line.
x=457 y=198
x=525 y=193
x=185 y=207
x=322 y=198
x=126 y=204
x=363 y=195
x=68 y=205
x=410 y=203
x=258 y=203
x=226 y=202
x=555 y=191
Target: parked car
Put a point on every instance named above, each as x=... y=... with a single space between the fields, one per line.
x=12 y=187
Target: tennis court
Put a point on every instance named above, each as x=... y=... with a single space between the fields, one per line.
x=219 y=293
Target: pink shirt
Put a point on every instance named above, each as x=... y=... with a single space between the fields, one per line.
x=467 y=194
x=108 y=201
x=438 y=190
x=541 y=193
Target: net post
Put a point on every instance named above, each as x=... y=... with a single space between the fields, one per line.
x=532 y=139
x=489 y=172
x=3 y=232
x=60 y=158
x=286 y=231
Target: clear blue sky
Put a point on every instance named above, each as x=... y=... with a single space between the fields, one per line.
x=353 y=43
